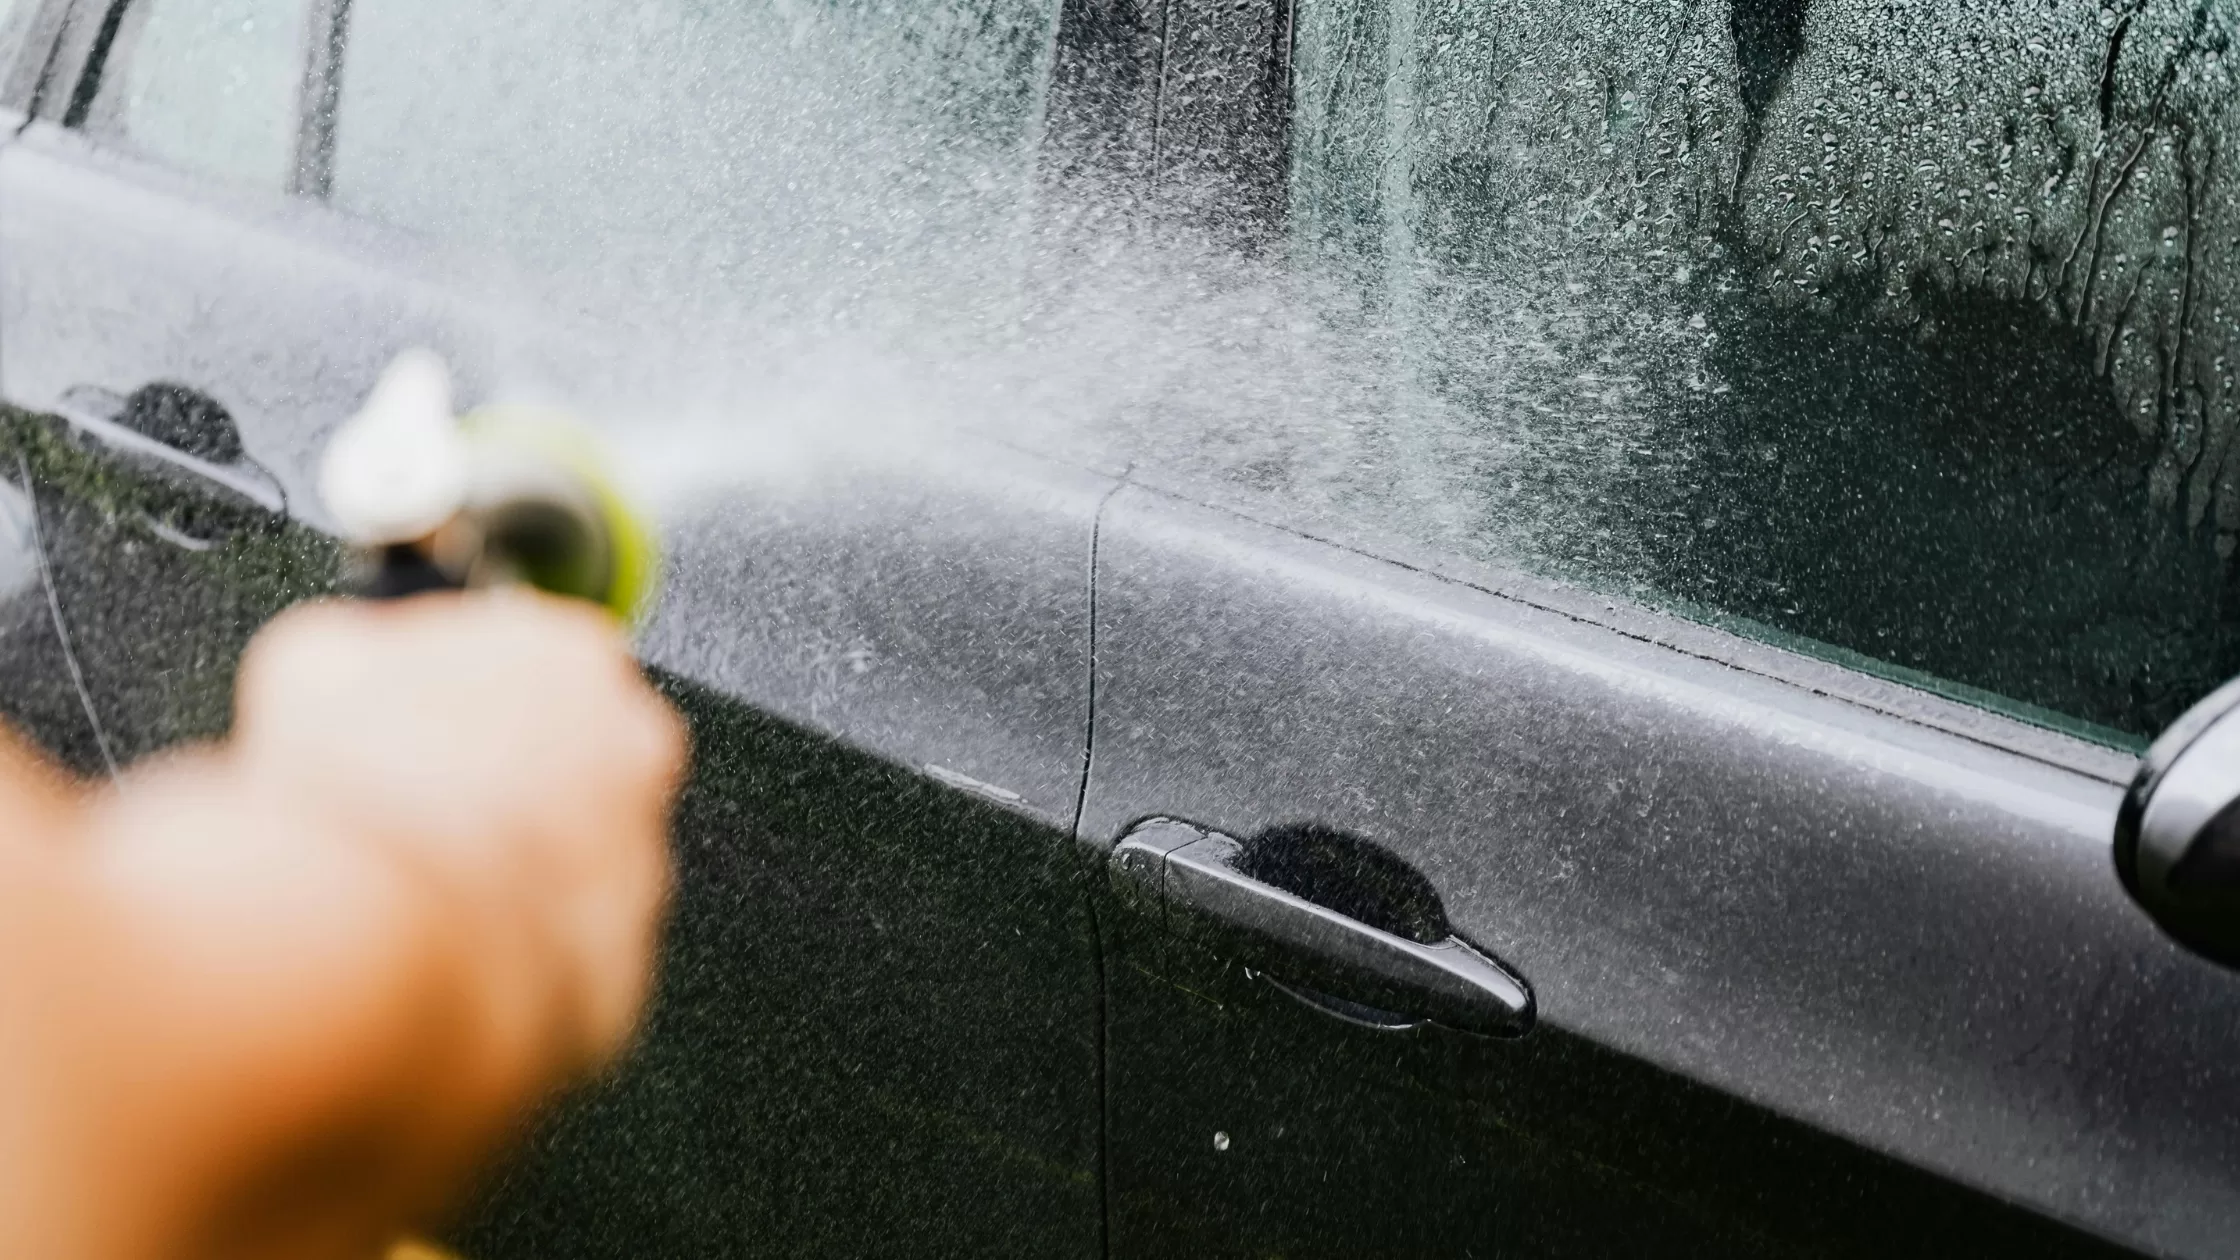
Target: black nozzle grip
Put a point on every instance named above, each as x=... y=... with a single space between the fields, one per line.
x=400 y=570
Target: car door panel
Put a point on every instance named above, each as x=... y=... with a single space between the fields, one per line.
x=116 y=275
x=875 y=1031
x=934 y=610
x=879 y=983
x=1552 y=1145
x=879 y=986
x=156 y=585
x=877 y=1025
x=877 y=1028
x=121 y=273
x=1877 y=930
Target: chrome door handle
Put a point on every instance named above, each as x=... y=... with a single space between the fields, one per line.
x=1191 y=880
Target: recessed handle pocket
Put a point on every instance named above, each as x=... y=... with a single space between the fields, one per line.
x=201 y=486
x=1195 y=882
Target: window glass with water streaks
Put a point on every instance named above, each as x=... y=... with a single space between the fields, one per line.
x=1899 y=331
x=791 y=157
x=210 y=87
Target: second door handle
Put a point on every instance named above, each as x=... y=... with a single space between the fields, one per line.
x=1193 y=882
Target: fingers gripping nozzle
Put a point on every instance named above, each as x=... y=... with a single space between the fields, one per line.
x=434 y=501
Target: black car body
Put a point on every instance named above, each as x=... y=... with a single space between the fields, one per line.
x=1786 y=473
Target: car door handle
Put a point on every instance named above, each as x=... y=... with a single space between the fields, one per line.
x=181 y=439
x=1192 y=881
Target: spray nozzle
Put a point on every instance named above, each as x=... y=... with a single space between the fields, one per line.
x=503 y=495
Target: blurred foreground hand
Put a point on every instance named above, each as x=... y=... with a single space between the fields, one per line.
x=284 y=996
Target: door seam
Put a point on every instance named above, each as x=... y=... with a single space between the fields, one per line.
x=1089 y=719
x=1088 y=893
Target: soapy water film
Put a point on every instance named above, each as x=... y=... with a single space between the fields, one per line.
x=1904 y=328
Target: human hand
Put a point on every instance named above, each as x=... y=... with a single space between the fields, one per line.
x=418 y=892
x=505 y=748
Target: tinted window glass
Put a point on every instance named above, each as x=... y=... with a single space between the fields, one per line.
x=783 y=148
x=209 y=86
x=1900 y=332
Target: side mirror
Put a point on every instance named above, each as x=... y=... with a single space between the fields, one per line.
x=2178 y=833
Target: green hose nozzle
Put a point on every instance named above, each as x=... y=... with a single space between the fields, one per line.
x=502 y=495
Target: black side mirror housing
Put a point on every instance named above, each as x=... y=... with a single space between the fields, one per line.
x=2178 y=834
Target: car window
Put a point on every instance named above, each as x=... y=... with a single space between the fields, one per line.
x=15 y=32
x=207 y=86
x=763 y=146
x=1903 y=334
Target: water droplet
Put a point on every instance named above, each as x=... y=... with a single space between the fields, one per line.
x=1220 y=1141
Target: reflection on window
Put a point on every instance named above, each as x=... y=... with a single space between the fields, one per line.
x=209 y=86
x=1901 y=332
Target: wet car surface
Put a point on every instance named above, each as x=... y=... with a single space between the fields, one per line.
x=1696 y=505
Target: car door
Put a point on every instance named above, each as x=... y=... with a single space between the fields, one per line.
x=1655 y=796
x=177 y=315
x=876 y=1031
